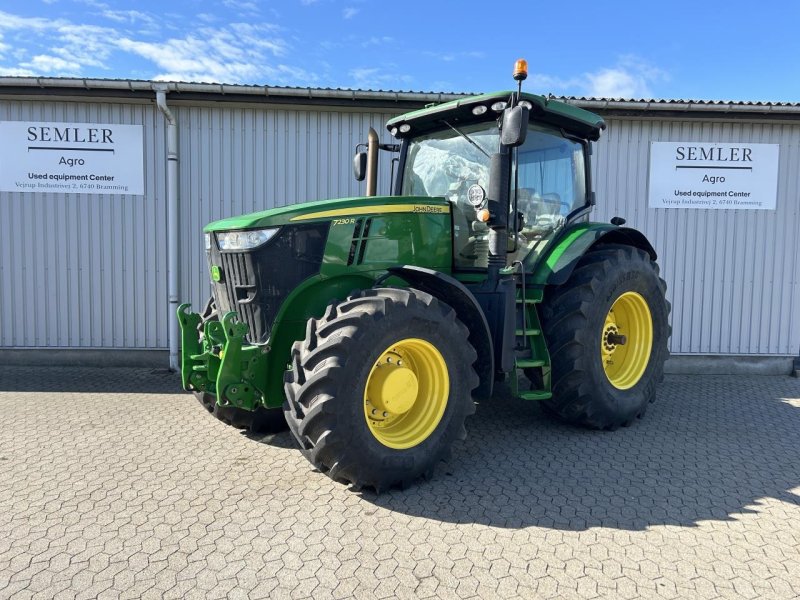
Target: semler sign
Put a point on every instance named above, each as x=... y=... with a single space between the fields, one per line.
x=77 y=158
x=713 y=175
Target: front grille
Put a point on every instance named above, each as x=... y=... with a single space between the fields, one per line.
x=255 y=283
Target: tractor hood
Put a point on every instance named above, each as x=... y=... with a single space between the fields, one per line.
x=331 y=209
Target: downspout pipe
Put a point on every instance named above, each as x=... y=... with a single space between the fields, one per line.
x=173 y=331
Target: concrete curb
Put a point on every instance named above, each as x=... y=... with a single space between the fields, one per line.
x=695 y=364
x=94 y=357
x=686 y=364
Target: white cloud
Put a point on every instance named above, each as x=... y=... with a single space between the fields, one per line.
x=350 y=12
x=15 y=72
x=94 y=4
x=540 y=83
x=243 y=6
x=380 y=78
x=43 y=63
x=630 y=78
x=241 y=52
x=87 y=45
x=128 y=16
x=377 y=41
x=9 y=22
x=617 y=83
x=236 y=54
x=76 y=45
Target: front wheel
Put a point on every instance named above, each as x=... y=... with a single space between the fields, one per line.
x=607 y=330
x=381 y=386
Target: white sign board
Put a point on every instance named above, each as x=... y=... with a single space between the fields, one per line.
x=80 y=158
x=708 y=175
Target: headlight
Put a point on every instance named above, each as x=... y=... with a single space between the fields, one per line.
x=207 y=237
x=244 y=240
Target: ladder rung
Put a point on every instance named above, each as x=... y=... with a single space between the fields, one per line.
x=535 y=395
x=527 y=363
x=527 y=301
x=519 y=332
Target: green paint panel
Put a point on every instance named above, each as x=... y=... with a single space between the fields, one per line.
x=564 y=250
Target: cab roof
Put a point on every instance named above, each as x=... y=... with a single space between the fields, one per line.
x=576 y=121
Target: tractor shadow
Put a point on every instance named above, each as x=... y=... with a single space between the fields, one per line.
x=711 y=447
x=280 y=439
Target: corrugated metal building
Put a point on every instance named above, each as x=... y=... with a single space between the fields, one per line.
x=89 y=272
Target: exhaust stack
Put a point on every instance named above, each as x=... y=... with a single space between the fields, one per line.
x=372 y=162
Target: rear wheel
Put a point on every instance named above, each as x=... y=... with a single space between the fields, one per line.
x=607 y=330
x=381 y=386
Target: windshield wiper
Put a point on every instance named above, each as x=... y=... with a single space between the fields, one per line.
x=466 y=137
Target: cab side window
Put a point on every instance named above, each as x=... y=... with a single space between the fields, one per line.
x=551 y=177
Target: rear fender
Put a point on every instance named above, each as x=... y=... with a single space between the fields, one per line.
x=555 y=267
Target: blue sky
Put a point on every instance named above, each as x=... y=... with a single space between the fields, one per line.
x=701 y=50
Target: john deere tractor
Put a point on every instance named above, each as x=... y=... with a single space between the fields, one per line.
x=371 y=325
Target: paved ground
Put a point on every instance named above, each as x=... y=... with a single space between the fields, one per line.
x=114 y=484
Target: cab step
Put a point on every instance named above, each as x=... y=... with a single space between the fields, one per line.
x=527 y=332
x=532 y=349
x=528 y=363
x=535 y=395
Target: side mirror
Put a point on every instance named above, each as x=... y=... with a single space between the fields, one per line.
x=360 y=166
x=515 y=126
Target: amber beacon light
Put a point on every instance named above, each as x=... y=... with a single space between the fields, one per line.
x=521 y=69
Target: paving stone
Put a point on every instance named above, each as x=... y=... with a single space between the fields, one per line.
x=115 y=484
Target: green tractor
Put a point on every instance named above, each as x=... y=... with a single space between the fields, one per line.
x=371 y=325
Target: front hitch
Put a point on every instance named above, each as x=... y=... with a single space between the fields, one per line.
x=220 y=363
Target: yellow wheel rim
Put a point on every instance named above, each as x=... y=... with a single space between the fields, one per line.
x=626 y=340
x=406 y=393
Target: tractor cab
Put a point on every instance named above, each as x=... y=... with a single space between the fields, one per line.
x=543 y=176
x=548 y=183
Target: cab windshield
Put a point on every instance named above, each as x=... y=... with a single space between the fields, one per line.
x=446 y=163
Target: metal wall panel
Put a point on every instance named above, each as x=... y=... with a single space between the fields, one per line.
x=80 y=270
x=90 y=271
x=732 y=275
